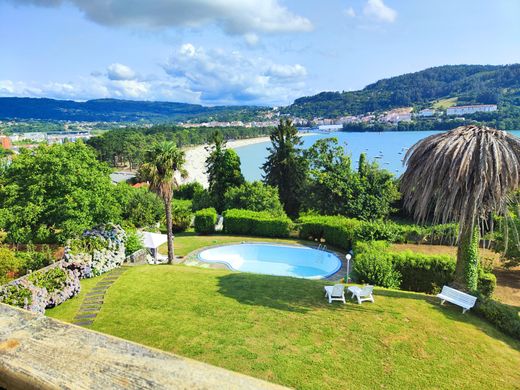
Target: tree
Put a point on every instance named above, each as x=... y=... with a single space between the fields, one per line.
x=285 y=167
x=335 y=188
x=223 y=169
x=162 y=162
x=53 y=193
x=253 y=196
x=139 y=206
x=464 y=175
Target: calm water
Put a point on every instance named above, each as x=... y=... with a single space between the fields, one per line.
x=391 y=146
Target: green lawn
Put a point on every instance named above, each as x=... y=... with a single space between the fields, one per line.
x=189 y=241
x=283 y=330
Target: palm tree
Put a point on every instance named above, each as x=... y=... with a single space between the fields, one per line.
x=161 y=163
x=462 y=175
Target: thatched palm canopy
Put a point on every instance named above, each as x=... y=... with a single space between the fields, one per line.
x=461 y=175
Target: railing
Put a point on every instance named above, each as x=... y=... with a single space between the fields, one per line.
x=37 y=352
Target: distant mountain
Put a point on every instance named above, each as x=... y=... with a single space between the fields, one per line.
x=113 y=110
x=462 y=83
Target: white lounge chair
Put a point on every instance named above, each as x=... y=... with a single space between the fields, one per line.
x=362 y=293
x=335 y=293
x=457 y=297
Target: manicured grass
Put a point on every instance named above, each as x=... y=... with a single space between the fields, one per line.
x=189 y=241
x=283 y=330
x=67 y=311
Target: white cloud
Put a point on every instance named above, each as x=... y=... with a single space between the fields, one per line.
x=120 y=72
x=228 y=77
x=378 y=10
x=192 y=74
x=350 y=12
x=235 y=17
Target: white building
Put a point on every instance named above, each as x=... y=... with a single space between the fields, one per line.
x=330 y=128
x=471 y=109
x=427 y=112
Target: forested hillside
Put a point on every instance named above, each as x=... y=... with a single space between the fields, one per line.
x=113 y=110
x=467 y=83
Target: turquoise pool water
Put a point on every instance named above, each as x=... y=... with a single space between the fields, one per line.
x=273 y=259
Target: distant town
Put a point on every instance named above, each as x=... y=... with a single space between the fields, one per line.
x=12 y=138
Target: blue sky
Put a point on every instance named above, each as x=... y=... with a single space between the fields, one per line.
x=266 y=52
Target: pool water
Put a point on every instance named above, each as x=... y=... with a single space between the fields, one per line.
x=272 y=259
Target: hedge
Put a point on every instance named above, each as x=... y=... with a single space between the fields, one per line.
x=409 y=271
x=256 y=223
x=504 y=317
x=205 y=220
x=343 y=232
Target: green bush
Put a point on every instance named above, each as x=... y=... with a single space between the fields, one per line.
x=10 y=265
x=373 y=266
x=343 y=232
x=53 y=279
x=202 y=199
x=205 y=220
x=32 y=260
x=254 y=196
x=133 y=242
x=187 y=191
x=256 y=223
x=487 y=283
x=504 y=317
x=181 y=215
x=16 y=295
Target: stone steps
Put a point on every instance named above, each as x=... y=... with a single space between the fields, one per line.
x=93 y=300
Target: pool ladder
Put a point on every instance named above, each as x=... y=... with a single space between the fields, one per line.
x=322 y=247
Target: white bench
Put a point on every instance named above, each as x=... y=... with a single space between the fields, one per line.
x=362 y=293
x=457 y=297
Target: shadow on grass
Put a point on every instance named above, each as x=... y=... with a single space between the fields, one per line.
x=281 y=293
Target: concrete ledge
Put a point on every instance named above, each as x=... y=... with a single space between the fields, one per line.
x=37 y=352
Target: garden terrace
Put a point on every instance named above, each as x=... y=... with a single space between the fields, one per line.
x=283 y=330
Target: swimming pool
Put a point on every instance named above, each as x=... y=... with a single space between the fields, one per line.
x=273 y=259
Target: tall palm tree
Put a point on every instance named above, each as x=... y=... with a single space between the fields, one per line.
x=462 y=175
x=161 y=165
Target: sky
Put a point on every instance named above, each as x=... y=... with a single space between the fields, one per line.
x=250 y=52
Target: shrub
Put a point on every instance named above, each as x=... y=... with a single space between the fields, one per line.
x=181 y=215
x=16 y=295
x=504 y=317
x=256 y=223
x=344 y=232
x=187 y=191
x=32 y=260
x=144 y=208
x=52 y=280
x=133 y=242
x=202 y=200
x=10 y=265
x=254 y=196
x=205 y=220
x=375 y=267
x=487 y=283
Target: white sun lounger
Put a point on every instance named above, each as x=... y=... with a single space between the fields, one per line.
x=362 y=293
x=335 y=293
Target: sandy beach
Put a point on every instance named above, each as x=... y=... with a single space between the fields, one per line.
x=196 y=158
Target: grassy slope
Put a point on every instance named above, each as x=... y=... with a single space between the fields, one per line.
x=282 y=330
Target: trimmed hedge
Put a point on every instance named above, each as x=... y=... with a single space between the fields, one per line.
x=504 y=317
x=205 y=220
x=256 y=223
x=415 y=271
x=343 y=232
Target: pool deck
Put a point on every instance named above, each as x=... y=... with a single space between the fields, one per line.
x=192 y=260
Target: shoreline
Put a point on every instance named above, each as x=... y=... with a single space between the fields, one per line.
x=196 y=157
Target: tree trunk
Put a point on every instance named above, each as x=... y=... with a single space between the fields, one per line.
x=466 y=270
x=169 y=233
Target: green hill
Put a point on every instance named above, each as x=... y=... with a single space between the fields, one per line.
x=465 y=84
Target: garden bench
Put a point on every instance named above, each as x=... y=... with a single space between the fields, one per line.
x=457 y=297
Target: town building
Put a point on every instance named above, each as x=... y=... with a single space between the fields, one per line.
x=427 y=112
x=471 y=109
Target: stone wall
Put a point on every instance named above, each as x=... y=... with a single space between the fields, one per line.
x=142 y=256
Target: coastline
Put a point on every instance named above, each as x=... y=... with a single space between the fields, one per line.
x=196 y=158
